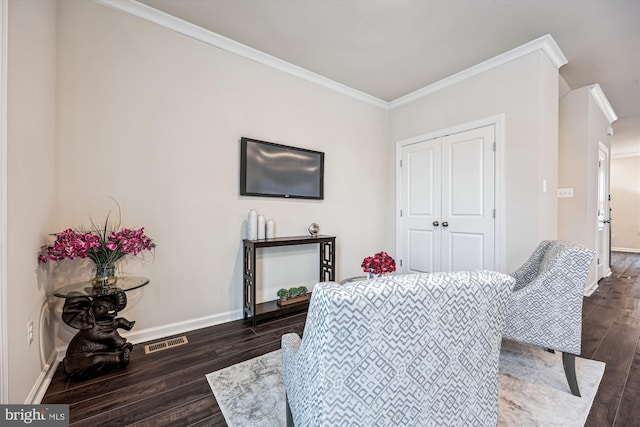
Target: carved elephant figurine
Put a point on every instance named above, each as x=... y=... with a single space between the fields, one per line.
x=97 y=347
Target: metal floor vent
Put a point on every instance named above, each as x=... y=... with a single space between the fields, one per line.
x=620 y=276
x=164 y=345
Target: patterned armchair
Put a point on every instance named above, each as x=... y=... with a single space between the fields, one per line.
x=411 y=350
x=545 y=308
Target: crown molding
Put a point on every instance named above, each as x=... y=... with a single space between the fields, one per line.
x=546 y=44
x=180 y=26
x=601 y=100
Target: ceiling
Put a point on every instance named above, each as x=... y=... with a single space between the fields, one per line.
x=389 y=48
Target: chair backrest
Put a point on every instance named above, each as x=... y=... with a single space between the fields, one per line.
x=566 y=255
x=414 y=350
x=552 y=256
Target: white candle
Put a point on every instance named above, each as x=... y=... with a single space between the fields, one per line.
x=261 y=229
x=271 y=229
x=252 y=225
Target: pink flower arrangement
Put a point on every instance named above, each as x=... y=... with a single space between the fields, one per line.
x=380 y=263
x=102 y=246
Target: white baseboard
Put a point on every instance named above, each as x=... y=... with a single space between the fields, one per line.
x=590 y=289
x=631 y=250
x=44 y=379
x=42 y=383
x=151 y=334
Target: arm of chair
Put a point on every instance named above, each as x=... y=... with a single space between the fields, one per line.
x=290 y=346
x=546 y=313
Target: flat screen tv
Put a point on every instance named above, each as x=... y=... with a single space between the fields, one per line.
x=274 y=170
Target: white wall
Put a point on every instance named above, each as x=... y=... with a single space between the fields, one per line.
x=30 y=184
x=582 y=127
x=625 y=185
x=625 y=203
x=526 y=92
x=154 y=118
x=626 y=137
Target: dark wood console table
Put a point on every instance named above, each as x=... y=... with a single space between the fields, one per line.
x=255 y=312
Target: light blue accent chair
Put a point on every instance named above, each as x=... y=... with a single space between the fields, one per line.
x=545 y=308
x=399 y=350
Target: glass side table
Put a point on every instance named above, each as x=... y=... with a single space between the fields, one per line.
x=97 y=347
x=125 y=284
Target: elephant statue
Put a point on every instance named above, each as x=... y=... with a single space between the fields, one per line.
x=97 y=347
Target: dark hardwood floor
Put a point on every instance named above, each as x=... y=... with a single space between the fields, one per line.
x=168 y=388
x=610 y=333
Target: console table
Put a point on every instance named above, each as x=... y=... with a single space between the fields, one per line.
x=255 y=312
x=97 y=347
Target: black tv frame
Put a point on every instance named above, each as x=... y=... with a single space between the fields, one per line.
x=283 y=148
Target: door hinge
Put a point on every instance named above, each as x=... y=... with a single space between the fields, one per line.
x=400 y=263
x=494 y=146
x=400 y=163
x=400 y=212
x=494 y=213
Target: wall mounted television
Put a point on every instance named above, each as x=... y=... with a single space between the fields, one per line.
x=274 y=170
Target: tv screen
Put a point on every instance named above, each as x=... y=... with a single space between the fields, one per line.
x=275 y=170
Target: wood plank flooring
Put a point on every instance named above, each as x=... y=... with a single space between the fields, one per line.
x=168 y=388
x=610 y=333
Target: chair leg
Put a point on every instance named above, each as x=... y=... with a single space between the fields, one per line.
x=289 y=415
x=569 y=364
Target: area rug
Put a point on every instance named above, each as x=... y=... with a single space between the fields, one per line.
x=532 y=389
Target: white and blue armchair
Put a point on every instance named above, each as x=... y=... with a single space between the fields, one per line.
x=545 y=308
x=410 y=350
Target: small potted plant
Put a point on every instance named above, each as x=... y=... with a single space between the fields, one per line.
x=294 y=295
x=282 y=294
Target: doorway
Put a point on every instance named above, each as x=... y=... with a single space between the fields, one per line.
x=603 y=235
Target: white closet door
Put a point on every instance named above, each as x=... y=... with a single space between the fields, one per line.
x=421 y=183
x=448 y=203
x=468 y=200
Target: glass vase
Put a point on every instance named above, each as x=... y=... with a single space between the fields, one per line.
x=105 y=275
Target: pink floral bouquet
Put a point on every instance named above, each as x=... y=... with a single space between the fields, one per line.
x=105 y=245
x=380 y=263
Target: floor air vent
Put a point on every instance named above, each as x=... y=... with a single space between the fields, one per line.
x=164 y=345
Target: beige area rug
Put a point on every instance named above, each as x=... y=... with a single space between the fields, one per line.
x=532 y=390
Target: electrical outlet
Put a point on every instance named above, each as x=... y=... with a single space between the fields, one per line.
x=565 y=193
x=30 y=332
